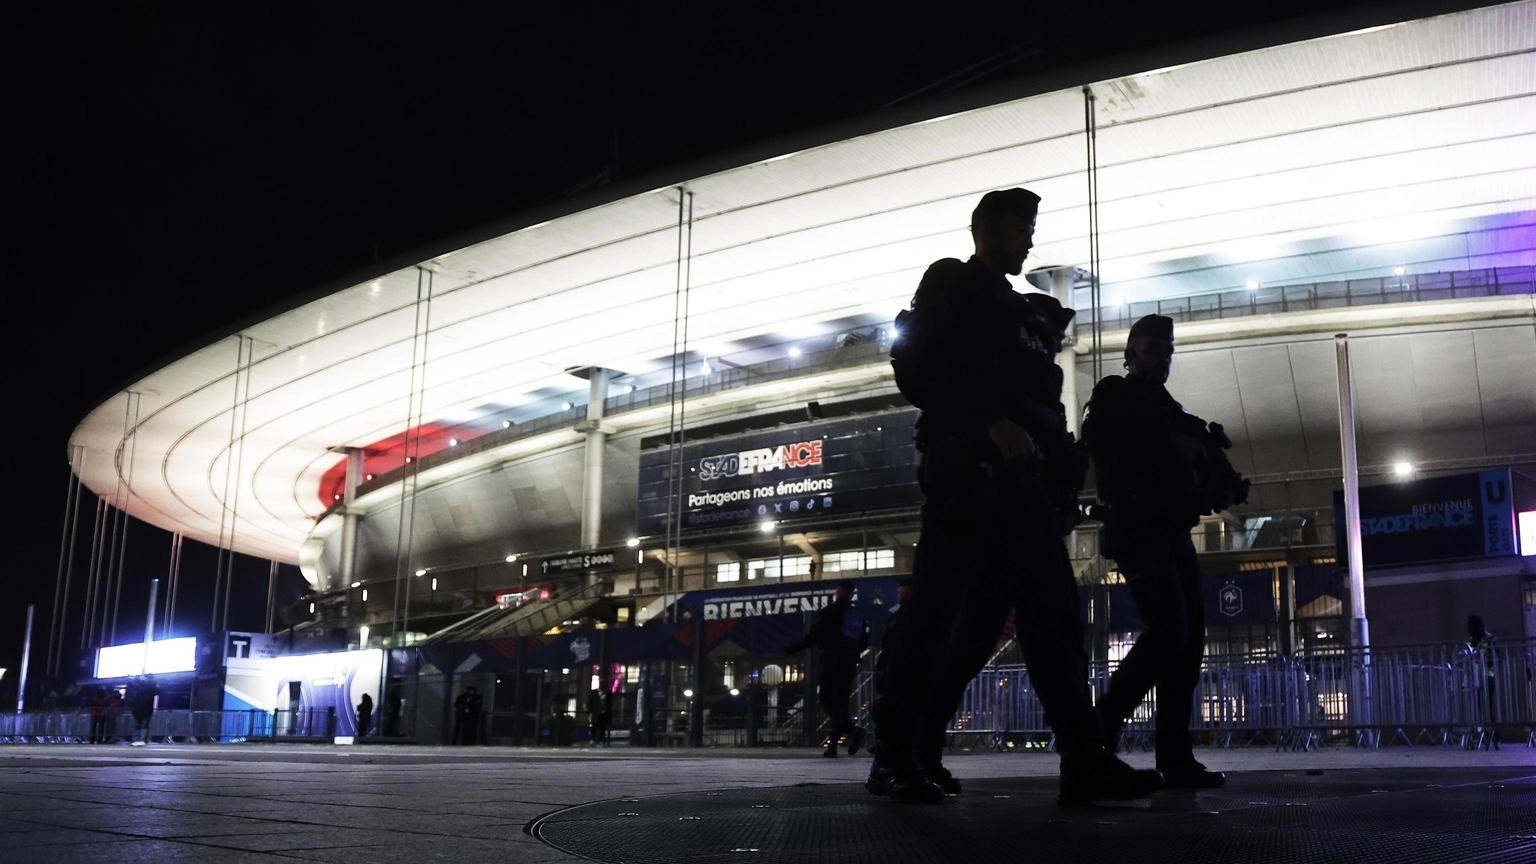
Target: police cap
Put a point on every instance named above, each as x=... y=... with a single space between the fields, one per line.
x=1153 y=326
x=1018 y=202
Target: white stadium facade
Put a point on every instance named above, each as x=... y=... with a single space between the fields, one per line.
x=677 y=401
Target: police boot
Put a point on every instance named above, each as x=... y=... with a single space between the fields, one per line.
x=1096 y=775
x=1191 y=775
x=931 y=759
x=902 y=780
x=855 y=740
x=939 y=776
x=911 y=787
x=879 y=780
x=831 y=749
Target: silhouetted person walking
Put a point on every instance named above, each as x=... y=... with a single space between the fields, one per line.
x=101 y=708
x=599 y=716
x=393 y=705
x=999 y=475
x=364 y=715
x=141 y=702
x=1480 y=644
x=903 y=596
x=882 y=659
x=1158 y=470
x=466 y=712
x=840 y=635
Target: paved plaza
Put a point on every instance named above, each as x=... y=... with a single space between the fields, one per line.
x=364 y=804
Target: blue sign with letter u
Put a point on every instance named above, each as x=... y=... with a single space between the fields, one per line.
x=1498 y=513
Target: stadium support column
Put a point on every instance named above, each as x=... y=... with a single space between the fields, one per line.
x=1287 y=576
x=592 y=474
x=1062 y=281
x=1359 y=630
x=26 y=660
x=1361 y=715
x=348 y=564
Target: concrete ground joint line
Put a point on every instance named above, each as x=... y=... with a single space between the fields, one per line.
x=253 y=817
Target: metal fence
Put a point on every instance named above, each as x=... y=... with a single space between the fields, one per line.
x=1413 y=695
x=167 y=726
x=1440 y=695
x=1416 y=695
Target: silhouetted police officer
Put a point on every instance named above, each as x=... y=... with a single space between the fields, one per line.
x=1153 y=464
x=978 y=359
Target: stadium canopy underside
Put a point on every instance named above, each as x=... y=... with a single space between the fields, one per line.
x=1382 y=160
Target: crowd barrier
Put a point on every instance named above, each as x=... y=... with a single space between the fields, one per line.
x=168 y=726
x=1417 y=695
x=1442 y=695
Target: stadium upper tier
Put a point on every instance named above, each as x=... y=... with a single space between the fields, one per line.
x=1393 y=153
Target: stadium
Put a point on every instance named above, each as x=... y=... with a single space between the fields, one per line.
x=622 y=447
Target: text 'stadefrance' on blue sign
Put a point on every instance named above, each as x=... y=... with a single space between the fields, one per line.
x=835 y=467
x=1434 y=519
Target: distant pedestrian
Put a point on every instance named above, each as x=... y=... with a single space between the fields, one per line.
x=115 y=705
x=892 y=631
x=393 y=704
x=599 y=716
x=893 y=620
x=1480 y=644
x=364 y=715
x=840 y=634
x=101 y=709
x=466 y=714
x=142 y=700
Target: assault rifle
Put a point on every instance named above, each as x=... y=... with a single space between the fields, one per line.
x=1217 y=484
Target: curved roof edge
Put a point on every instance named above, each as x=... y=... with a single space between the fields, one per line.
x=1194 y=49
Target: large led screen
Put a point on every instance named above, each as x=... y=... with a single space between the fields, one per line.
x=163 y=656
x=844 y=466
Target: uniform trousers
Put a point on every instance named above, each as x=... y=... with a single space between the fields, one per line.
x=1164 y=579
x=836 y=685
x=988 y=546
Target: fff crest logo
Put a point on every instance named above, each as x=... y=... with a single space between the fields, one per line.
x=1230 y=600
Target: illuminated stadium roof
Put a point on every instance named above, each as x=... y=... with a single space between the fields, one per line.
x=1411 y=145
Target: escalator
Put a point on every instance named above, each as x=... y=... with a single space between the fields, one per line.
x=528 y=619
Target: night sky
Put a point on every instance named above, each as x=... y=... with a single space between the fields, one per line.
x=183 y=176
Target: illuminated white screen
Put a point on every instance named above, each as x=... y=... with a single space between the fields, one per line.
x=165 y=655
x=1528 y=532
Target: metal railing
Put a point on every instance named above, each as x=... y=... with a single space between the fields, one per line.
x=1438 y=695
x=168 y=726
x=526 y=620
x=1414 y=695
x=1279 y=299
x=298 y=723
